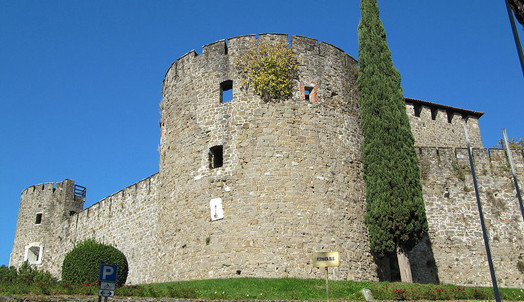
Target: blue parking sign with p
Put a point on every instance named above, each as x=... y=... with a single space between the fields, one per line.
x=107 y=273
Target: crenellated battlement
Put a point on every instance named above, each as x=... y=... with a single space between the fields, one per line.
x=59 y=192
x=47 y=187
x=144 y=186
x=217 y=47
x=240 y=44
x=453 y=218
x=481 y=156
x=428 y=118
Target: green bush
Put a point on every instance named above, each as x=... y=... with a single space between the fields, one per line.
x=82 y=264
x=8 y=274
x=270 y=67
x=26 y=274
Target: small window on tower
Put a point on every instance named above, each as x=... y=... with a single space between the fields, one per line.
x=33 y=253
x=38 y=218
x=226 y=91
x=307 y=92
x=216 y=157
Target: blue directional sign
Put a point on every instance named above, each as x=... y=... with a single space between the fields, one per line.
x=107 y=273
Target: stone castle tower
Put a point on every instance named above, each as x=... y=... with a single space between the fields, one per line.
x=43 y=210
x=288 y=173
x=251 y=189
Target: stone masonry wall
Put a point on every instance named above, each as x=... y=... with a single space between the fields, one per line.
x=126 y=220
x=455 y=235
x=439 y=127
x=53 y=202
x=289 y=184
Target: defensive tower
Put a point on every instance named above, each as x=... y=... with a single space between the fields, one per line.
x=43 y=209
x=252 y=188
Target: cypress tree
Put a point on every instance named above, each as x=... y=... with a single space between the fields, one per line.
x=395 y=213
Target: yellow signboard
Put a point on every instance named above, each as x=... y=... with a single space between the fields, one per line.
x=326 y=259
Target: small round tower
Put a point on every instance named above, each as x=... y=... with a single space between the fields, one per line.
x=252 y=188
x=43 y=209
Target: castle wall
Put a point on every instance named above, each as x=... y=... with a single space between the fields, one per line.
x=42 y=209
x=439 y=126
x=126 y=220
x=289 y=184
x=455 y=233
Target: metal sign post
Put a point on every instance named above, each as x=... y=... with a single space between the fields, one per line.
x=515 y=181
x=107 y=278
x=326 y=259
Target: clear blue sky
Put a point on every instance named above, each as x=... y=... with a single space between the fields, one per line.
x=80 y=81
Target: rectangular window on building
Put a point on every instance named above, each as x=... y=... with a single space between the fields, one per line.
x=226 y=91
x=33 y=253
x=38 y=218
x=307 y=92
x=216 y=157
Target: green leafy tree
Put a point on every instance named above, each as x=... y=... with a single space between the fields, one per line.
x=270 y=68
x=395 y=212
x=82 y=263
x=514 y=143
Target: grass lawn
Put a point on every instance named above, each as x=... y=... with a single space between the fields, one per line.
x=272 y=289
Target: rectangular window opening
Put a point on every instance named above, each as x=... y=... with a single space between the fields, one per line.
x=38 y=218
x=226 y=91
x=33 y=253
x=307 y=92
x=216 y=157
x=417 y=109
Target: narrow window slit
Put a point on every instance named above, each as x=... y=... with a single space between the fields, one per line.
x=216 y=157
x=307 y=92
x=226 y=91
x=38 y=218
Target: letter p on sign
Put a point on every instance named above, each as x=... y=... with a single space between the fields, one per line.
x=107 y=273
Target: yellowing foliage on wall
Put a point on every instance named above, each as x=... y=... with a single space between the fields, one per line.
x=270 y=68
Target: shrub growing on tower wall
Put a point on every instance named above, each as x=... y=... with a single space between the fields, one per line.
x=270 y=68
x=82 y=263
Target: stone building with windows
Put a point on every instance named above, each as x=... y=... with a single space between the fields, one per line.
x=248 y=188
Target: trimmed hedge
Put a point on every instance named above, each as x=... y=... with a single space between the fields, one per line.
x=82 y=263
